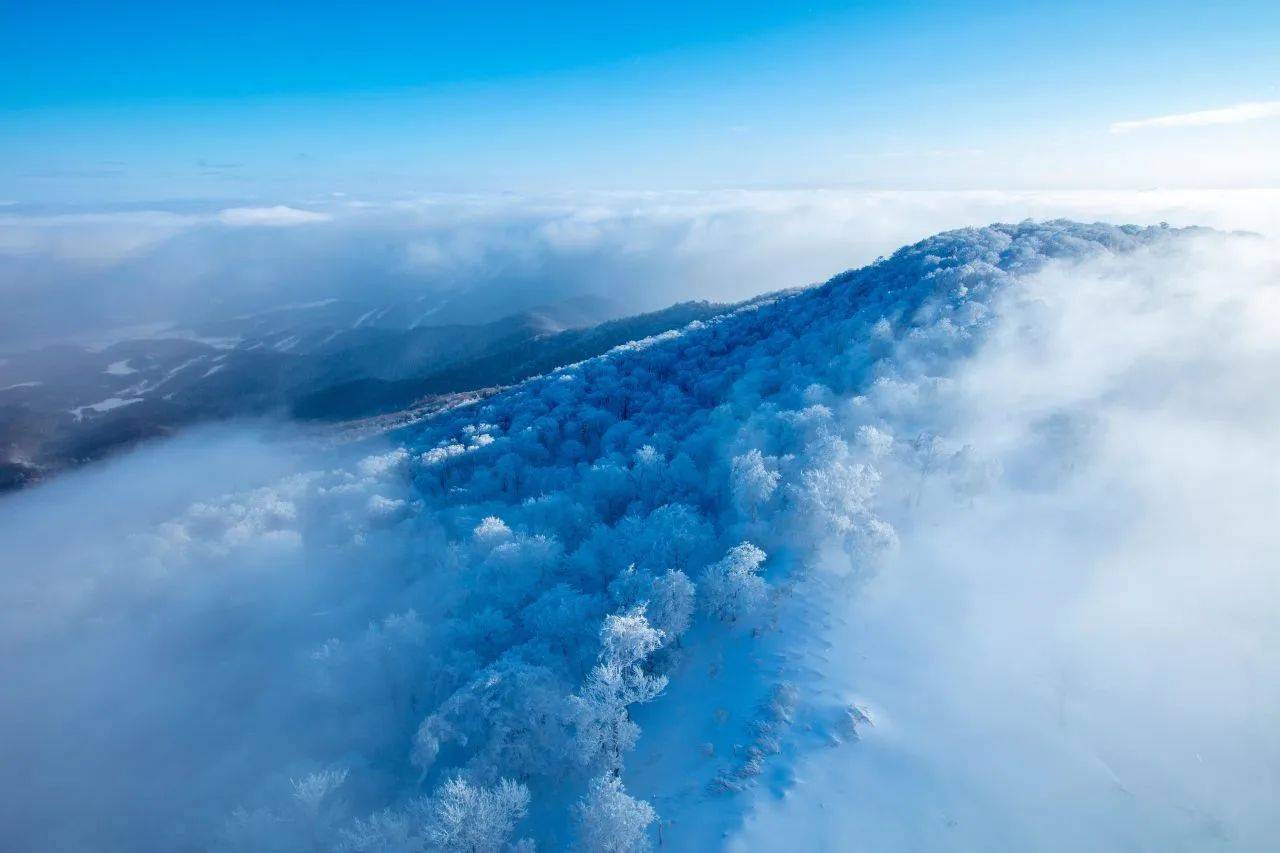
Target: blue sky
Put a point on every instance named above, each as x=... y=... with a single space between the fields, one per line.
x=115 y=101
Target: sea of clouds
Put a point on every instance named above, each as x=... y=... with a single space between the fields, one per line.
x=969 y=549
x=80 y=272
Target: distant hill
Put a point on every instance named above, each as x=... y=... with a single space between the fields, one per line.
x=64 y=405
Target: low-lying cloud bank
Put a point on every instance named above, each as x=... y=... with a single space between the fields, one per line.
x=968 y=549
x=76 y=272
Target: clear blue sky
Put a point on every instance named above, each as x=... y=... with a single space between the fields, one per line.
x=137 y=100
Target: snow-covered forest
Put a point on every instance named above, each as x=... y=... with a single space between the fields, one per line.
x=908 y=544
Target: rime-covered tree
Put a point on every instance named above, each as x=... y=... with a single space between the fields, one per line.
x=751 y=482
x=603 y=725
x=513 y=715
x=732 y=588
x=468 y=819
x=609 y=820
x=671 y=604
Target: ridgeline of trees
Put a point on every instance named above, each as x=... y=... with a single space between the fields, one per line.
x=579 y=529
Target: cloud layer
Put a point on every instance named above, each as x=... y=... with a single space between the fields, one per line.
x=1238 y=114
x=279 y=216
x=80 y=273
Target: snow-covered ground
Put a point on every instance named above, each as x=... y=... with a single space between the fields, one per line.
x=119 y=368
x=969 y=549
x=106 y=405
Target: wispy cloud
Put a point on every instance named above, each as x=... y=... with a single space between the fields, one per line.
x=1252 y=111
x=277 y=216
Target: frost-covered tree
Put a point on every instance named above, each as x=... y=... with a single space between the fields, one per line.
x=561 y=617
x=469 y=819
x=671 y=604
x=386 y=831
x=673 y=536
x=732 y=588
x=307 y=820
x=668 y=599
x=313 y=790
x=513 y=716
x=627 y=638
x=751 y=482
x=631 y=587
x=490 y=533
x=603 y=726
x=513 y=569
x=609 y=820
x=834 y=491
x=648 y=470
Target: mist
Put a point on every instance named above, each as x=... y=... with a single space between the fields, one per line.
x=1074 y=644
x=158 y=614
x=84 y=273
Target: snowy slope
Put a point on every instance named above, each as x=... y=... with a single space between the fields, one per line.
x=641 y=599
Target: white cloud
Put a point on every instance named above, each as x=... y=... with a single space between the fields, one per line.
x=1252 y=111
x=278 y=216
x=491 y=255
